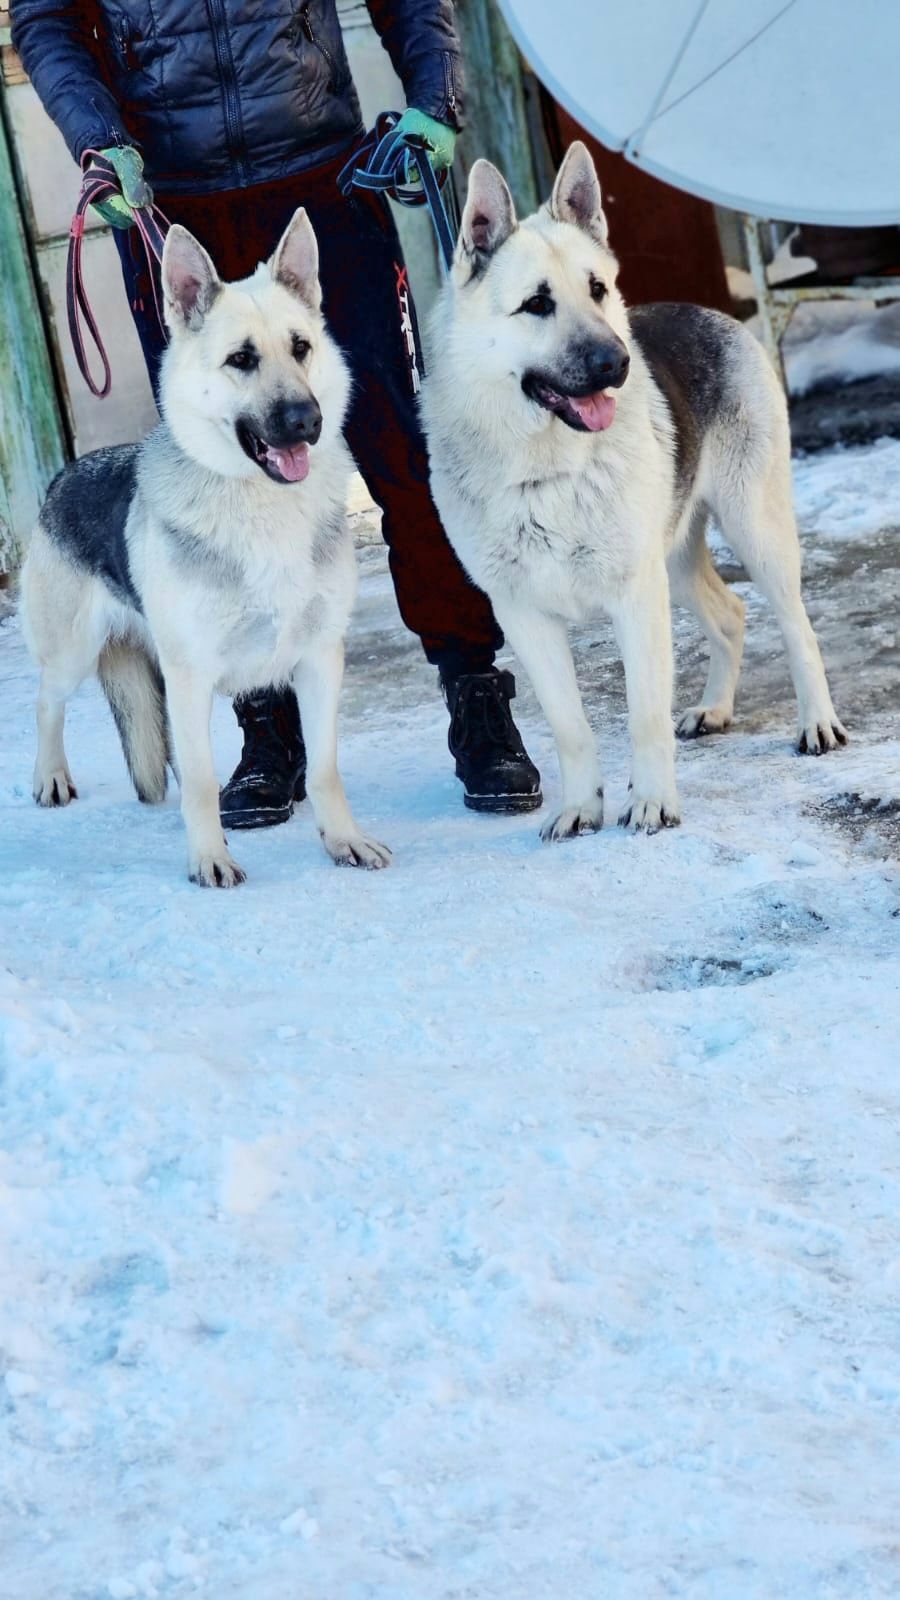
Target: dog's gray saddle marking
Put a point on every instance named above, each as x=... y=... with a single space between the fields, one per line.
x=86 y=511
x=686 y=349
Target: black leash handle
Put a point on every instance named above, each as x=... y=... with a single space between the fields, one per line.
x=98 y=184
x=382 y=164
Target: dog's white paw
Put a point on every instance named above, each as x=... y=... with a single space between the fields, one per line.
x=819 y=735
x=54 y=788
x=357 y=851
x=573 y=820
x=699 y=720
x=216 y=870
x=645 y=815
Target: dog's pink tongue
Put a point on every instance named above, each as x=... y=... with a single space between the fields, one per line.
x=293 y=464
x=595 y=410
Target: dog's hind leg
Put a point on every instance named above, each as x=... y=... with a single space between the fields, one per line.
x=65 y=641
x=695 y=583
x=542 y=645
x=65 y=622
x=759 y=523
x=133 y=685
x=53 y=784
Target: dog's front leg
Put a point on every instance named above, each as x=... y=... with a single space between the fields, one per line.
x=317 y=681
x=642 y=621
x=189 y=700
x=541 y=643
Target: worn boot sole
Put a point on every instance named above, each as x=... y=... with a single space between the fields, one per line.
x=504 y=805
x=256 y=816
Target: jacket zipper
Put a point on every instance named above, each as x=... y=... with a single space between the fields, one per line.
x=123 y=40
x=317 y=44
x=228 y=77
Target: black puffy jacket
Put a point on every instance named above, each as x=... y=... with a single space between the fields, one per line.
x=219 y=94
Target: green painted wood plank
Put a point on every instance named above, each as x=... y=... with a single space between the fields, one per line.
x=31 y=436
x=497 y=122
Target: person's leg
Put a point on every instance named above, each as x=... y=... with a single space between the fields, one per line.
x=370 y=311
x=369 y=308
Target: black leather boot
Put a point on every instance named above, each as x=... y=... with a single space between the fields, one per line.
x=271 y=773
x=491 y=760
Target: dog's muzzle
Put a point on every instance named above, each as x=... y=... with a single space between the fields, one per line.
x=283 y=451
x=586 y=406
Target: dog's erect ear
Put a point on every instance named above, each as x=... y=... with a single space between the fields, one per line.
x=576 y=193
x=295 y=263
x=190 y=281
x=489 y=216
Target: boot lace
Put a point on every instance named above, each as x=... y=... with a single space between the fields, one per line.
x=480 y=712
x=271 y=732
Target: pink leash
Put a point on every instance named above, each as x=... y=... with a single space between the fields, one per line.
x=99 y=182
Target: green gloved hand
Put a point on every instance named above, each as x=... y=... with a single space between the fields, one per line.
x=119 y=209
x=440 y=139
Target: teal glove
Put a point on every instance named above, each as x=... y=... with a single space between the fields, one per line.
x=119 y=209
x=440 y=139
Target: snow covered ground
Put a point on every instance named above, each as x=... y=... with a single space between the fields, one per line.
x=521 y=1222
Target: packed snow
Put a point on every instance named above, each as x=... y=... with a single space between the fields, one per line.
x=827 y=343
x=520 y=1222
x=864 y=345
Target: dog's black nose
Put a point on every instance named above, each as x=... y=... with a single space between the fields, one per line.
x=609 y=369
x=295 y=422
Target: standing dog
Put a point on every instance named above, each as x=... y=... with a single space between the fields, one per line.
x=216 y=555
x=576 y=452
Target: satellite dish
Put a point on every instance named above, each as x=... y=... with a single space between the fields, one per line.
x=783 y=108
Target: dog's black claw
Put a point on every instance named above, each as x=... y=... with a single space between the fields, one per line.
x=822 y=744
x=219 y=879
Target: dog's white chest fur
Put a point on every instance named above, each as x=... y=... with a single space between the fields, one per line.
x=252 y=580
x=286 y=617
x=567 y=519
x=553 y=538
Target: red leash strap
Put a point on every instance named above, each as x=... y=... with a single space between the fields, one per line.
x=99 y=182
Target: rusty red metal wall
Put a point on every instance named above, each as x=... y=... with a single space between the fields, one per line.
x=667 y=241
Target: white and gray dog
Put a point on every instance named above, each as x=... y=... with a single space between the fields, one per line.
x=214 y=556
x=577 y=452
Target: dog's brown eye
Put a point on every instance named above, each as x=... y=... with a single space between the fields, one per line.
x=300 y=348
x=243 y=360
x=598 y=289
x=539 y=305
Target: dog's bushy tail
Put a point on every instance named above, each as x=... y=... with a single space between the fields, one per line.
x=133 y=685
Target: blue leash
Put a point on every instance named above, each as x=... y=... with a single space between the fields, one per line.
x=383 y=164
